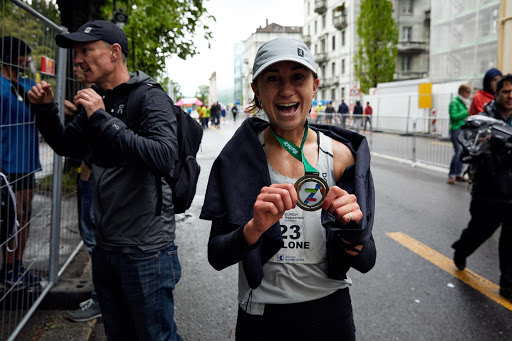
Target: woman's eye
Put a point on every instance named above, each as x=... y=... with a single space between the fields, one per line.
x=298 y=76
x=272 y=78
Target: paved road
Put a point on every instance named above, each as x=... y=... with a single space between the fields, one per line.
x=407 y=296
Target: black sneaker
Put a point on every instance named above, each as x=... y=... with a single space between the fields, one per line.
x=506 y=292
x=12 y=280
x=88 y=310
x=460 y=261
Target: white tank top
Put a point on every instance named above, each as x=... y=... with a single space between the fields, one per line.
x=298 y=271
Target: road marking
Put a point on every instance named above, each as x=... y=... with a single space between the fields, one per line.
x=467 y=276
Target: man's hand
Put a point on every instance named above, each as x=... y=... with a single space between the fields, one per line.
x=69 y=108
x=41 y=93
x=90 y=100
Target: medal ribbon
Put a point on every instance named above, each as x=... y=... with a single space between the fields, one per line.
x=297 y=152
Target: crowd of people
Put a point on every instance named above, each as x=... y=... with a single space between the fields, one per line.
x=294 y=230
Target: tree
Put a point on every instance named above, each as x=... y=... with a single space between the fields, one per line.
x=375 y=60
x=202 y=93
x=155 y=28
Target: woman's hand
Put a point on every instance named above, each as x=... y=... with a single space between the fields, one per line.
x=342 y=205
x=269 y=207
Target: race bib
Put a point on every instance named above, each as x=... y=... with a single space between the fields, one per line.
x=304 y=238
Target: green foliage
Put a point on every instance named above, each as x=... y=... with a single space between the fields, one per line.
x=375 y=60
x=18 y=23
x=202 y=93
x=158 y=28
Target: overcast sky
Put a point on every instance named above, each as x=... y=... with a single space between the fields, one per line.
x=236 y=20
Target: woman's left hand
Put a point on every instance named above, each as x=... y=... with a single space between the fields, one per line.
x=342 y=205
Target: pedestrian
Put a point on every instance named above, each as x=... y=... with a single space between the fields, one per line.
x=491 y=195
x=368 y=111
x=215 y=114
x=329 y=111
x=293 y=245
x=234 y=111
x=358 y=114
x=90 y=308
x=485 y=95
x=20 y=155
x=343 y=111
x=319 y=109
x=458 y=111
x=135 y=262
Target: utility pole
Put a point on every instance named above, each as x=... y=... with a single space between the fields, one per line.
x=505 y=37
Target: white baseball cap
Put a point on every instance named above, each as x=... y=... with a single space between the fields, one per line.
x=282 y=49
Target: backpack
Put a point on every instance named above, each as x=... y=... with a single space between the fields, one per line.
x=8 y=219
x=185 y=173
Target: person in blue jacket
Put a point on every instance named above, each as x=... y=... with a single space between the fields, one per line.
x=20 y=155
x=296 y=211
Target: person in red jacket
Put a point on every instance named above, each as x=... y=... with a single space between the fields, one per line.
x=368 y=111
x=482 y=97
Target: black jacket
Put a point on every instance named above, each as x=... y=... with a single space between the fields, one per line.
x=236 y=178
x=128 y=165
x=492 y=177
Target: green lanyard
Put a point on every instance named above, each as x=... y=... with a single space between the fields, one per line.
x=295 y=151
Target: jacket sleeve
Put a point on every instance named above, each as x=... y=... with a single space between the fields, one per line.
x=457 y=110
x=155 y=143
x=69 y=140
x=227 y=245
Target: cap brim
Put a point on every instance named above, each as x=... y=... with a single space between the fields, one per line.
x=68 y=40
x=283 y=59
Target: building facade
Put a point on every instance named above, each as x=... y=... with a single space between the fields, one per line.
x=253 y=43
x=464 y=40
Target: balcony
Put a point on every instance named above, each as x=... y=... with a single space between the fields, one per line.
x=405 y=75
x=307 y=40
x=339 y=20
x=411 y=47
x=320 y=6
x=321 y=57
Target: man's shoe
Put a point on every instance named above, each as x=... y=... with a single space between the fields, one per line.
x=88 y=310
x=460 y=178
x=29 y=279
x=506 y=292
x=451 y=180
x=460 y=261
x=12 y=280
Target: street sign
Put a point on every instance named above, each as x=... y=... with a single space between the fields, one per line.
x=238 y=101
x=425 y=96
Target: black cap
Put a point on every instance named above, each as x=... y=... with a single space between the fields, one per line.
x=93 y=31
x=12 y=48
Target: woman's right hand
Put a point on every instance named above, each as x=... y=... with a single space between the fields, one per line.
x=269 y=207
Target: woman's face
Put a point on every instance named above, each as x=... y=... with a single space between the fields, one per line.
x=286 y=91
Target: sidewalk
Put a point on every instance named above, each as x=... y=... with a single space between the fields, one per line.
x=49 y=322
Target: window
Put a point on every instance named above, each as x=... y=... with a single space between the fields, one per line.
x=342 y=38
x=316 y=48
x=406 y=6
x=309 y=30
x=323 y=72
x=406 y=33
x=333 y=94
x=323 y=94
x=405 y=64
x=309 y=8
x=343 y=92
x=333 y=69
x=323 y=21
x=316 y=27
x=343 y=66
x=333 y=43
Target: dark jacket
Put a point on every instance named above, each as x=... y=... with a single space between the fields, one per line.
x=358 y=109
x=236 y=178
x=492 y=175
x=130 y=214
x=343 y=108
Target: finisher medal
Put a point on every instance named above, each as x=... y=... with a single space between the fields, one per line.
x=311 y=191
x=311 y=188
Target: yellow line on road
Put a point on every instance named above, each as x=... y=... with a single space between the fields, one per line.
x=217 y=130
x=472 y=279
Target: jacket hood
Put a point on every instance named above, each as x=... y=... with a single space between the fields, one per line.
x=490 y=74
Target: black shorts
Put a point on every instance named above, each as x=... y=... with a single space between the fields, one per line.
x=21 y=181
x=327 y=318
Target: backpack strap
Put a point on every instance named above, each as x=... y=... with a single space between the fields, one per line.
x=16 y=225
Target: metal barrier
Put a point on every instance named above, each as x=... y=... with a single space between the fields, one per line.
x=48 y=218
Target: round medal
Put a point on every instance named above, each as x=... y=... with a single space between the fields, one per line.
x=311 y=191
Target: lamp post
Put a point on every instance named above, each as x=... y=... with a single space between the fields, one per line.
x=119 y=17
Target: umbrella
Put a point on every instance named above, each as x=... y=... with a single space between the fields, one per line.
x=189 y=101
